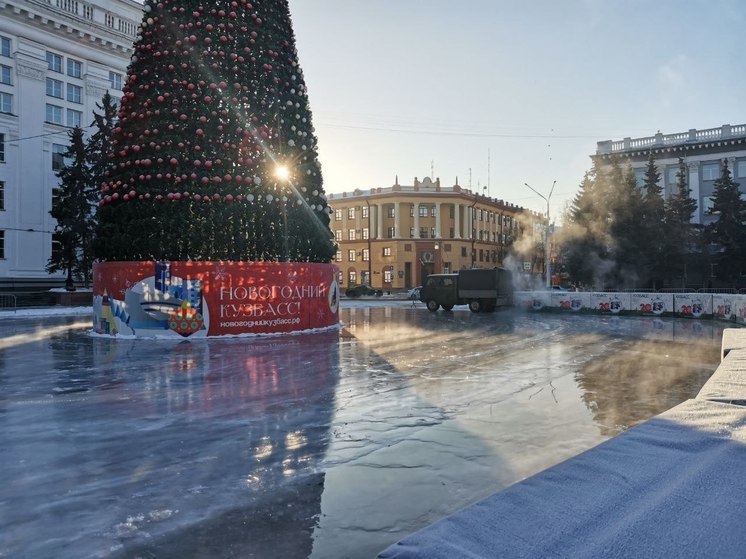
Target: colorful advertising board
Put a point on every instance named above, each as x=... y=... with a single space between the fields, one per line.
x=573 y=301
x=693 y=305
x=205 y=299
x=651 y=304
x=609 y=303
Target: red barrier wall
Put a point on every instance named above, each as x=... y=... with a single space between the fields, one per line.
x=198 y=299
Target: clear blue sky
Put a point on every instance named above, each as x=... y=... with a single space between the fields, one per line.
x=396 y=86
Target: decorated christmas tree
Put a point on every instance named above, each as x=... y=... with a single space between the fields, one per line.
x=214 y=155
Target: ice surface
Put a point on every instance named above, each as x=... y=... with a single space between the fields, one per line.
x=323 y=445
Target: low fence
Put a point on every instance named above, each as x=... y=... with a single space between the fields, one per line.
x=8 y=301
x=721 y=306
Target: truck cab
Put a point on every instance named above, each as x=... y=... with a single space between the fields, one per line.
x=440 y=290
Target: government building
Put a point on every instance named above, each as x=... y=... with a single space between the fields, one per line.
x=703 y=152
x=57 y=59
x=392 y=238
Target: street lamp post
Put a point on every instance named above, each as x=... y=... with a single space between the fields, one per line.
x=546 y=233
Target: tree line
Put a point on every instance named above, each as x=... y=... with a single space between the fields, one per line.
x=620 y=235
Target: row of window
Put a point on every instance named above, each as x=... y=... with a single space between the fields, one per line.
x=709 y=172
x=55 y=89
x=74 y=67
x=425 y=233
x=478 y=214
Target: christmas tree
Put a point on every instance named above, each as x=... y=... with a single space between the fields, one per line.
x=214 y=154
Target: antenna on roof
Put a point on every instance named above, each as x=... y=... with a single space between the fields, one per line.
x=488 y=171
x=432 y=169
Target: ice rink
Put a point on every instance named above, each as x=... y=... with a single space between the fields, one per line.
x=325 y=445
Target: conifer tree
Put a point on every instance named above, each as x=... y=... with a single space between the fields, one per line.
x=728 y=235
x=214 y=155
x=679 y=233
x=73 y=212
x=651 y=223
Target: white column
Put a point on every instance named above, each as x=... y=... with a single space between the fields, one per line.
x=416 y=220
x=438 y=209
x=397 y=220
x=694 y=187
x=379 y=216
x=457 y=221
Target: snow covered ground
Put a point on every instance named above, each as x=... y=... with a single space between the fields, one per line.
x=324 y=445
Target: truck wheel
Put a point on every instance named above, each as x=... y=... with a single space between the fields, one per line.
x=475 y=306
x=447 y=307
x=432 y=305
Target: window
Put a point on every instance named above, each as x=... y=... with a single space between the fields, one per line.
x=5 y=75
x=351 y=235
x=432 y=233
x=337 y=215
x=741 y=168
x=423 y=211
x=352 y=277
x=115 y=81
x=341 y=277
x=387 y=251
x=58 y=156
x=433 y=211
x=450 y=233
x=74 y=68
x=366 y=211
x=2 y=195
x=2 y=148
x=390 y=232
x=5 y=47
x=74 y=118
x=423 y=232
x=710 y=171
x=671 y=173
x=366 y=234
x=54 y=114
x=390 y=212
x=74 y=93
x=2 y=244
x=388 y=275
x=54 y=88
x=350 y=213
x=338 y=235
x=463 y=252
x=411 y=211
x=338 y=258
x=54 y=62
x=411 y=232
x=366 y=255
x=351 y=255
x=640 y=177
x=6 y=103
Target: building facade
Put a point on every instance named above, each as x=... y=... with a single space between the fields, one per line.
x=703 y=152
x=57 y=59
x=392 y=238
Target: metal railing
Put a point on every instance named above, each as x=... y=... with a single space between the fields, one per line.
x=7 y=301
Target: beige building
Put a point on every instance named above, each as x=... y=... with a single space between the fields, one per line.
x=391 y=238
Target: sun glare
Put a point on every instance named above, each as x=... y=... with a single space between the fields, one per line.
x=282 y=172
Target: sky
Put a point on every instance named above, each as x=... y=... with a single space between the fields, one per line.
x=499 y=93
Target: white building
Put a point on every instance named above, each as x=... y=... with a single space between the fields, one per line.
x=57 y=59
x=703 y=152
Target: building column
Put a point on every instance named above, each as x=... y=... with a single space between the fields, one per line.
x=457 y=221
x=397 y=220
x=379 y=220
x=438 y=231
x=416 y=220
x=693 y=168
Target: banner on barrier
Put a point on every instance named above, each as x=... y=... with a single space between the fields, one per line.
x=654 y=304
x=613 y=303
x=199 y=299
x=692 y=305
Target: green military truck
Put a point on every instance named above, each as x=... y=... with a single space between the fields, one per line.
x=482 y=289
